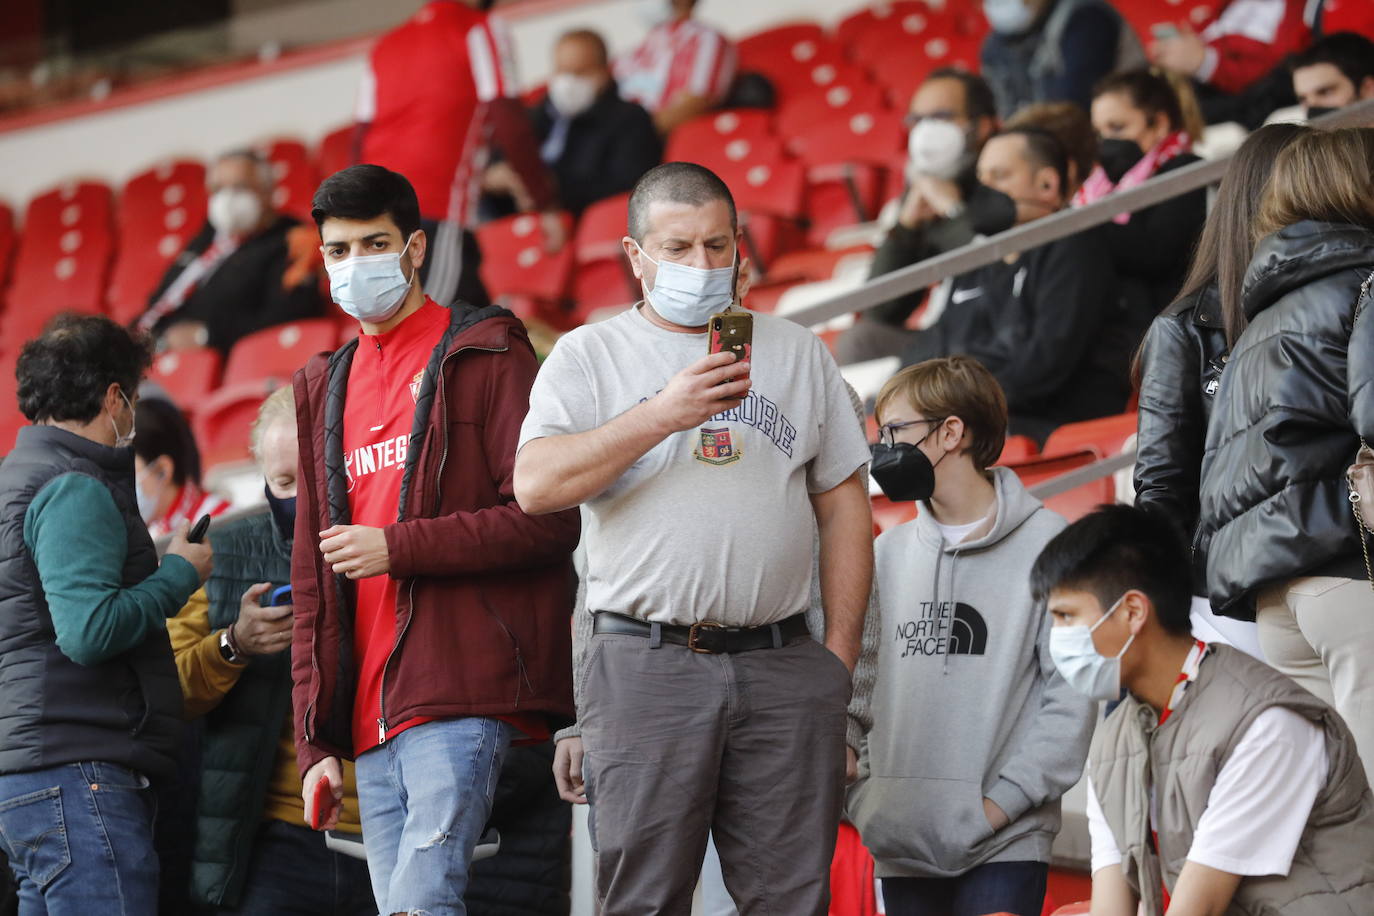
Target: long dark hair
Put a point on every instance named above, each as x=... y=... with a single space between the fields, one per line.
x=1224 y=248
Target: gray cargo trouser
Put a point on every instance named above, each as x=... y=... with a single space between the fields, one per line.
x=747 y=747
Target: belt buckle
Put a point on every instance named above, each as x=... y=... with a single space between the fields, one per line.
x=694 y=631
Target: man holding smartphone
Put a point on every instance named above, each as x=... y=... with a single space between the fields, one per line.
x=704 y=706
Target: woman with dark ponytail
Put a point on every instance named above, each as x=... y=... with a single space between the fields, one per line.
x=1146 y=123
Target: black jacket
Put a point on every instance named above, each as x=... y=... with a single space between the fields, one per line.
x=609 y=146
x=252 y=289
x=903 y=246
x=1180 y=371
x=1151 y=252
x=241 y=737
x=126 y=710
x=1297 y=394
x=1048 y=326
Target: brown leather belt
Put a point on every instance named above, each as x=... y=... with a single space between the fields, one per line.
x=710 y=638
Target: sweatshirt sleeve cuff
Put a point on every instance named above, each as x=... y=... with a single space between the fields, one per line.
x=572 y=731
x=1009 y=798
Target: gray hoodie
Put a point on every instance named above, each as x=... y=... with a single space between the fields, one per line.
x=968 y=703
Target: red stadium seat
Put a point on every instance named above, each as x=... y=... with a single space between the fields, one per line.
x=1017 y=449
x=904 y=15
x=295 y=176
x=600 y=230
x=187 y=375
x=602 y=284
x=222 y=420
x=335 y=151
x=63 y=260
x=848 y=97
x=1348 y=16
x=847 y=159
x=159 y=212
x=1079 y=501
x=514 y=263
x=10 y=417
x=1102 y=437
x=763 y=297
x=763 y=49
x=811 y=264
x=277 y=352
x=799 y=66
x=706 y=135
x=901 y=64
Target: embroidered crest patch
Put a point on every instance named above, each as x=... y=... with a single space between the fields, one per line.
x=716 y=446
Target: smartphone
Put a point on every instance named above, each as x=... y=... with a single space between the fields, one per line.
x=321 y=803
x=197 y=534
x=280 y=597
x=731 y=332
x=1163 y=31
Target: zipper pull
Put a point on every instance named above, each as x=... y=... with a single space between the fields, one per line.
x=381 y=731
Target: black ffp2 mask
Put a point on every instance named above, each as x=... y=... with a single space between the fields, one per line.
x=283 y=513
x=903 y=471
x=1118 y=157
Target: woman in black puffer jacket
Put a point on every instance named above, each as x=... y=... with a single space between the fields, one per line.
x=1181 y=358
x=1281 y=543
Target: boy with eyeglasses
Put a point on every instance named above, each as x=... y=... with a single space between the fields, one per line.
x=975 y=737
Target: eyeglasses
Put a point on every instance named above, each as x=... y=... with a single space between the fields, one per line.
x=887 y=433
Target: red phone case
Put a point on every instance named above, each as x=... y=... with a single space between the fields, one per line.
x=321 y=802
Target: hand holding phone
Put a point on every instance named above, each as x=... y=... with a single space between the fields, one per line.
x=323 y=794
x=280 y=597
x=197 y=533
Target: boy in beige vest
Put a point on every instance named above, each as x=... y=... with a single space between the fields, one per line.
x=1217 y=780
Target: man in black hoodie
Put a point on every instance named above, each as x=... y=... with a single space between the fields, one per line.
x=1049 y=322
x=596 y=143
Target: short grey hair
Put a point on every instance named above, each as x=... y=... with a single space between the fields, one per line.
x=679 y=183
x=266 y=174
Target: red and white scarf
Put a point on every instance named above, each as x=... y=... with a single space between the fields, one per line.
x=1098 y=185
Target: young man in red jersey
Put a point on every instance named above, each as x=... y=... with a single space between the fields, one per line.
x=431 y=613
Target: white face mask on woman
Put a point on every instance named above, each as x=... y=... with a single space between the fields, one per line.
x=1081 y=665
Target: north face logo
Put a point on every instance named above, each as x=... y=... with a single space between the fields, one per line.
x=946 y=628
x=969 y=635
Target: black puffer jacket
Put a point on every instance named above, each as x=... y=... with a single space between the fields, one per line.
x=1180 y=370
x=1296 y=395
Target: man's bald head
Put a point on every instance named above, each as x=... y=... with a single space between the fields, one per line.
x=678 y=183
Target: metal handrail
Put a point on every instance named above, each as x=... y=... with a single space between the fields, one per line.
x=1065 y=223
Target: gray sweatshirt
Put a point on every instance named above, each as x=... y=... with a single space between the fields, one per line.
x=968 y=703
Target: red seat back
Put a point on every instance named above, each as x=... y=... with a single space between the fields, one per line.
x=160 y=210
x=707 y=135
x=1077 y=502
x=63 y=260
x=278 y=351
x=295 y=177
x=514 y=261
x=1102 y=437
x=839 y=99
x=187 y=376
x=222 y=421
x=600 y=230
x=335 y=151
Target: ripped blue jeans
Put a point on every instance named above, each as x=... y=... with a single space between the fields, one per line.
x=425 y=797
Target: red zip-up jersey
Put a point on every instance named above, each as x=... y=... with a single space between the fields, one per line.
x=482 y=593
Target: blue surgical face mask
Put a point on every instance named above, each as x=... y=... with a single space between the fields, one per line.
x=1080 y=664
x=1008 y=17
x=370 y=288
x=689 y=296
